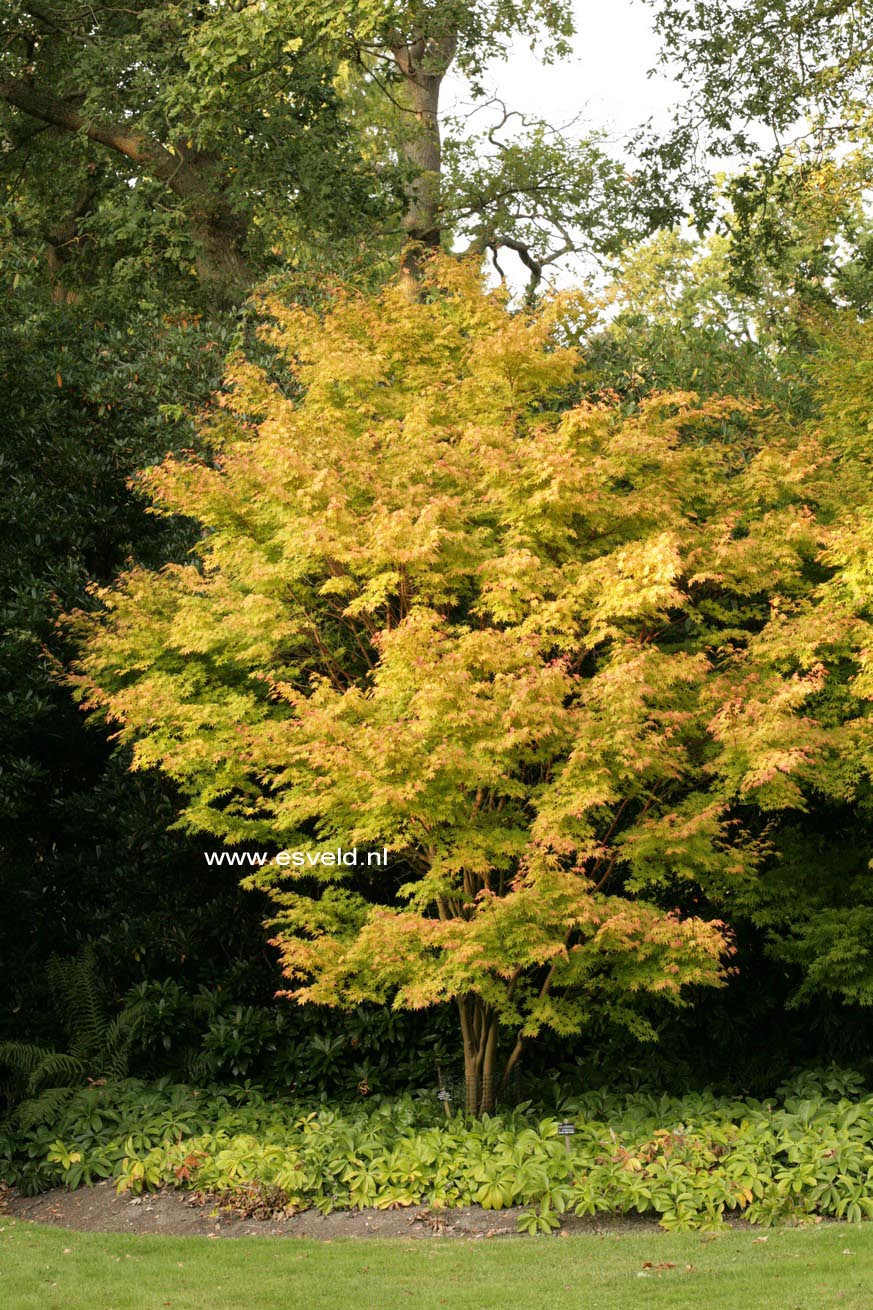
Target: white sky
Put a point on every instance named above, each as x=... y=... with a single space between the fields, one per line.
x=605 y=78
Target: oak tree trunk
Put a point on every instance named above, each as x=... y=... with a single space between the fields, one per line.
x=218 y=229
x=222 y=268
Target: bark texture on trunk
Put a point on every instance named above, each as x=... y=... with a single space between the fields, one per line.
x=423 y=63
x=219 y=230
x=479 y=1031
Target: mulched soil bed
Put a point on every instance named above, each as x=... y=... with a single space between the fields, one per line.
x=100 y=1210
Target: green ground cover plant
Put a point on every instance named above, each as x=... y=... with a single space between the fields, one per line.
x=690 y=1163
x=812 y=1270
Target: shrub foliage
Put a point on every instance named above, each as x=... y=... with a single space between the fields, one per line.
x=691 y=1162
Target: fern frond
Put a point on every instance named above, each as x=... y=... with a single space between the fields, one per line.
x=56 y=1069
x=42 y=1109
x=21 y=1057
x=117 y=1043
x=19 y=1060
x=80 y=998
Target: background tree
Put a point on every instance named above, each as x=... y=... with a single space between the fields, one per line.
x=516 y=184
x=543 y=193
x=792 y=67
x=234 y=139
x=782 y=90
x=686 y=313
x=814 y=898
x=408 y=50
x=227 y=118
x=86 y=403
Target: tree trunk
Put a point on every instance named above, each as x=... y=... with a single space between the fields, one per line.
x=479 y=1031
x=64 y=240
x=218 y=229
x=424 y=63
x=219 y=234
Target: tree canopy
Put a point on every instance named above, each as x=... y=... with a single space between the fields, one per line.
x=560 y=666
x=226 y=120
x=767 y=84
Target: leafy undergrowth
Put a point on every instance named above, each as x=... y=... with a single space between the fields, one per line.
x=690 y=1162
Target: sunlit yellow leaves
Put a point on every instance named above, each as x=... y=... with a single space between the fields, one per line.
x=549 y=662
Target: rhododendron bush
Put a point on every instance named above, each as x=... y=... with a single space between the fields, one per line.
x=556 y=656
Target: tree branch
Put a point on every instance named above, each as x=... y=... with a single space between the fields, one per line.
x=135 y=146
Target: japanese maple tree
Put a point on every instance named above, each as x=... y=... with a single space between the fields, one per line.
x=435 y=610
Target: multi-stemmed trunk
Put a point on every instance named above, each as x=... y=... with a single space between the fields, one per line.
x=484 y=1079
x=479 y=1031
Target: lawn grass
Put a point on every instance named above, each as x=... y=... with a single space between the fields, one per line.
x=811 y=1269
